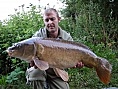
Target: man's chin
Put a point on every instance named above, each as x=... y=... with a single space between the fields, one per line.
x=51 y=30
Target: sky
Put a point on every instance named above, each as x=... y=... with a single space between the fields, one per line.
x=8 y=7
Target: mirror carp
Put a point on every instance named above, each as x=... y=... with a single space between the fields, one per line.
x=60 y=54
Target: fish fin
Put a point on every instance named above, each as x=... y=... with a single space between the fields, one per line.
x=40 y=48
x=42 y=65
x=104 y=70
x=61 y=73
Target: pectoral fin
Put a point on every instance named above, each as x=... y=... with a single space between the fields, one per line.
x=42 y=65
x=62 y=73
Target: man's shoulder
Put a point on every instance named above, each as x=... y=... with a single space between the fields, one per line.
x=41 y=30
x=66 y=32
x=40 y=33
x=65 y=35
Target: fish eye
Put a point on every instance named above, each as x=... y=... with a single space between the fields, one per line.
x=17 y=45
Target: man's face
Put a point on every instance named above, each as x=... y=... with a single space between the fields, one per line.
x=51 y=21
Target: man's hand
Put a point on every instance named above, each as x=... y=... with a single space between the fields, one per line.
x=79 y=65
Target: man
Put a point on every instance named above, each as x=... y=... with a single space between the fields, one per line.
x=52 y=30
x=35 y=78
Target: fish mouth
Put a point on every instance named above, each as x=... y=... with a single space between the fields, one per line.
x=10 y=52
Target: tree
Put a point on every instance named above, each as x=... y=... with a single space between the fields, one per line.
x=108 y=8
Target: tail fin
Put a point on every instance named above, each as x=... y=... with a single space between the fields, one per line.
x=104 y=70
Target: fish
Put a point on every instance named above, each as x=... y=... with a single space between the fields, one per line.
x=60 y=54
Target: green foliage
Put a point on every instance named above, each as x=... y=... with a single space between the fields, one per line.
x=14 y=76
x=22 y=24
x=19 y=26
x=14 y=80
x=3 y=80
x=108 y=8
x=90 y=27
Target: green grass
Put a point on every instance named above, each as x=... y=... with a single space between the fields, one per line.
x=20 y=86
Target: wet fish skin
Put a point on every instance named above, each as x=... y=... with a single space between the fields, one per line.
x=60 y=54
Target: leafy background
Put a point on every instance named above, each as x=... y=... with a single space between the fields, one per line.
x=85 y=22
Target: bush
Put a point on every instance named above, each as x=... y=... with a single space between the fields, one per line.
x=20 y=26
